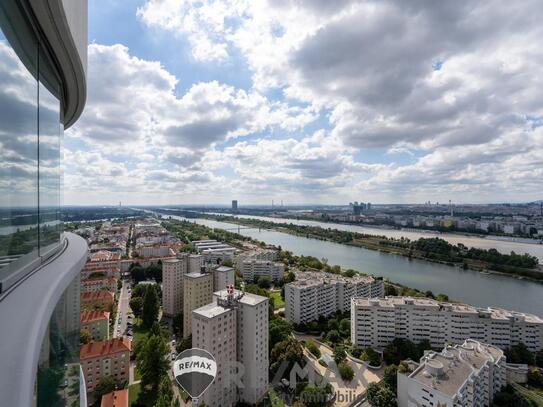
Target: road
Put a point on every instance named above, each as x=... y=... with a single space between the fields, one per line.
x=122 y=310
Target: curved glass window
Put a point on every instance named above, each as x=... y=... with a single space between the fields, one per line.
x=30 y=136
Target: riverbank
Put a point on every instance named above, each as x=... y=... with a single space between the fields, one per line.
x=428 y=249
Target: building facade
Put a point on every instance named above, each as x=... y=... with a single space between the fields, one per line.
x=234 y=329
x=223 y=276
x=252 y=270
x=376 y=322
x=43 y=53
x=96 y=323
x=105 y=358
x=466 y=375
x=316 y=294
x=197 y=292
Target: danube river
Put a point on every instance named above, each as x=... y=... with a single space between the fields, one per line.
x=480 y=242
x=461 y=285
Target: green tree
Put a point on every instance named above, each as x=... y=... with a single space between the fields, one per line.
x=345 y=327
x=150 y=307
x=314 y=396
x=85 y=336
x=290 y=277
x=313 y=348
x=151 y=361
x=390 y=377
x=380 y=396
x=165 y=393
x=339 y=354
x=105 y=385
x=183 y=344
x=177 y=324
x=288 y=350
x=264 y=282
x=333 y=336
x=136 y=305
x=346 y=371
x=279 y=330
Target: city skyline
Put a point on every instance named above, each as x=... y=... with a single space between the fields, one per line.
x=239 y=99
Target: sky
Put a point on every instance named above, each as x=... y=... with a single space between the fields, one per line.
x=309 y=101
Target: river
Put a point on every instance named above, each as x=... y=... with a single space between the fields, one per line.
x=462 y=285
x=503 y=246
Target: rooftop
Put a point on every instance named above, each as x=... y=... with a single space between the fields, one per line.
x=197 y=275
x=90 y=316
x=117 y=398
x=97 y=295
x=103 y=348
x=448 y=370
x=223 y=269
x=246 y=298
x=494 y=313
x=211 y=310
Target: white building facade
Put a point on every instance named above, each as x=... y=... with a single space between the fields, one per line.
x=376 y=322
x=253 y=269
x=316 y=294
x=466 y=375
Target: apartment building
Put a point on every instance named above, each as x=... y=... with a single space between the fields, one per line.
x=253 y=269
x=96 y=323
x=117 y=398
x=43 y=48
x=173 y=272
x=316 y=294
x=214 y=252
x=197 y=292
x=376 y=322
x=154 y=250
x=223 y=276
x=257 y=254
x=105 y=358
x=98 y=284
x=102 y=300
x=234 y=329
x=464 y=375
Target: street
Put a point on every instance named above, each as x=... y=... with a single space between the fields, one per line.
x=123 y=308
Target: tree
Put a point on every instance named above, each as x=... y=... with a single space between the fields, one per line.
x=290 y=277
x=333 y=336
x=313 y=348
x=339 y=354
x=105 y=385
x=184 y=344
x=85 y=336
x=152 y=362
x=345 y=327
x=380 y=396
x=390 y=377
x=288 y=350
x=279 y=330
x=137 y=273
x=264 y=282
x=136 y=305
x=520 y=354
x=314 y=396
x=150 y=307
x=390 y=290
x=165 y=394
x=345 y=371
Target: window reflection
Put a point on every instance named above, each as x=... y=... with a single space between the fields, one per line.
x=18 y=159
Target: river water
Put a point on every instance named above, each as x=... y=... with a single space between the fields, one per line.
x=461 y=285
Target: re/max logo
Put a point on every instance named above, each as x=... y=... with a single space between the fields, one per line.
x=195 y=365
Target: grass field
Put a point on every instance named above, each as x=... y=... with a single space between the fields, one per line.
x=278 y=301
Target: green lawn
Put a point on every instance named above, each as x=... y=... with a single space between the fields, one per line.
x=133 y=393
x=277 y=300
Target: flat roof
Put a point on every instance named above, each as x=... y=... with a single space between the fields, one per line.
x=211 y=310
x=247 y=298
x=224 y=269
x=197 y=275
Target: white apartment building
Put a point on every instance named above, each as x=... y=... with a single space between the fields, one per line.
x=197 y=292
x=316 y=294
x=223 y=276
x=234 y=329
x=376 y=322
x=213 y=252
x=467 y=375
x=252 y=270
x=173 y=272
x=156 y=250
x=258 y=254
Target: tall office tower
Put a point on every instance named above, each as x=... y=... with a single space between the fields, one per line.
x=467 y=375
x=243 y=317
x=223 y=276
x=43 y=54
x=173 y=271
x=197 y=292
x=234 y=205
